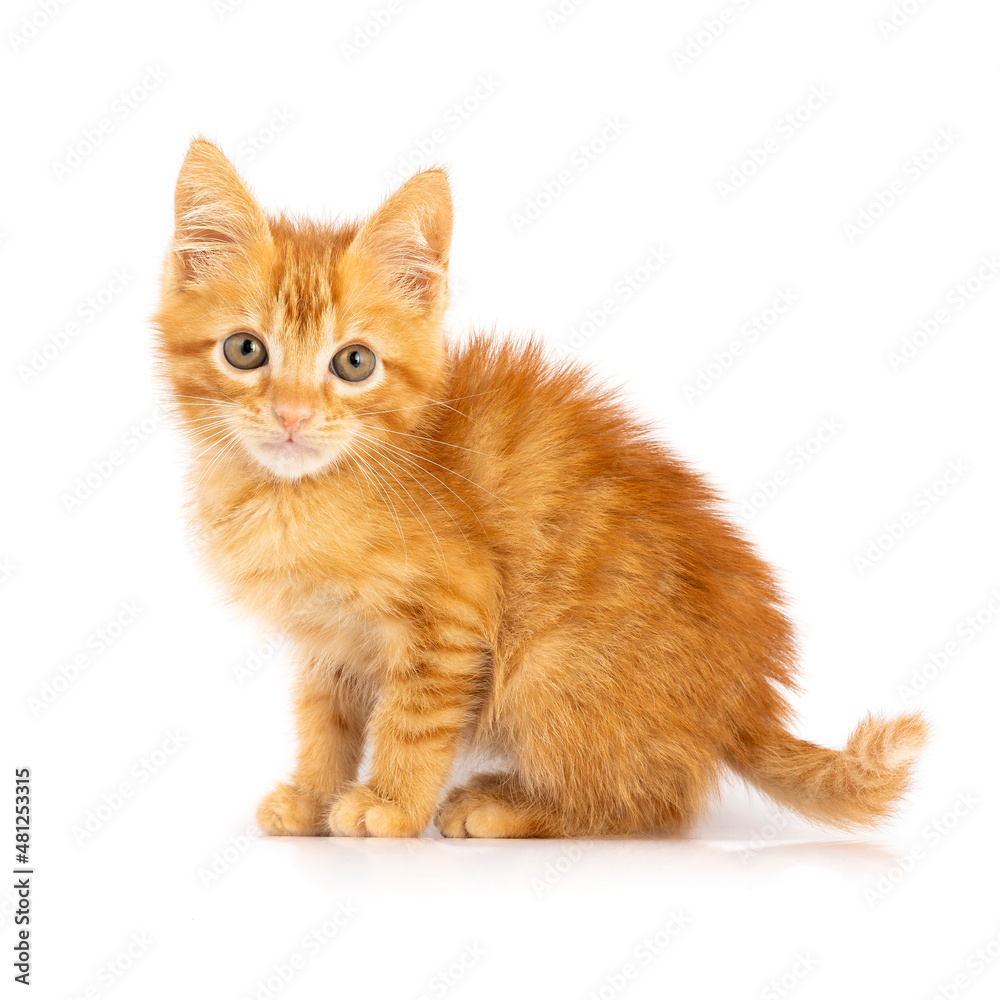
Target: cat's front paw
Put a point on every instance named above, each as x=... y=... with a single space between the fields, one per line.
x=359 y=812
x=289 y=811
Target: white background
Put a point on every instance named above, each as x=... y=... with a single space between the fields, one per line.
x=761 y=905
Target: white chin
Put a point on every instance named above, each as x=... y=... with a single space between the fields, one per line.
x=293 y=461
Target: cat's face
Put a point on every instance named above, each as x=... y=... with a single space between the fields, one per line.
x=296 y=345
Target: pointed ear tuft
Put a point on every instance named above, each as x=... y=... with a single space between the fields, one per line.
x=215 y=216
x=407 y=241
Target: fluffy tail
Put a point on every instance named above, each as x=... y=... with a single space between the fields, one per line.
x=857 y=786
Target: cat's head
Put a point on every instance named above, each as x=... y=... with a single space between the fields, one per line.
x=292 y=343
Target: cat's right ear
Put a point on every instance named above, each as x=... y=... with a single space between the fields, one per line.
x=215 y=217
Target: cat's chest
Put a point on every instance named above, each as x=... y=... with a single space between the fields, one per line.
x=328 y=622
x=292 y=573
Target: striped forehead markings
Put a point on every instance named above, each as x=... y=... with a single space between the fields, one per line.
x=305 y=296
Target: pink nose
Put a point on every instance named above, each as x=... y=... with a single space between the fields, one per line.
x=292 y=416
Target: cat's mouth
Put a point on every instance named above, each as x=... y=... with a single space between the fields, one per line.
x=289 y=446
x=291 y=458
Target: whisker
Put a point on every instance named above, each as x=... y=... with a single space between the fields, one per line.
x=201 y=426
x=454 y=409
x=213 y=442
x=354 y=473
x=390 y=506
x=472 y=451
x=419 y=513
x=433 y=402
x=228 y=449
x=228 y=401
x=430 y=493
x=404 y=458
x=207 y=417
x=423 y=458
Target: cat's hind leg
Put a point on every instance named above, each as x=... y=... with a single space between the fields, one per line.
x=496 y=805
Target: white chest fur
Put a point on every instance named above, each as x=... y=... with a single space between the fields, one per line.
x=289 y=572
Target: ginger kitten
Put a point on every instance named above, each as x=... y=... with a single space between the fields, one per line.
x=470 y=546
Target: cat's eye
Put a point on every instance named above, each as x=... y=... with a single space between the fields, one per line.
x=354 y=363
x=245 y=351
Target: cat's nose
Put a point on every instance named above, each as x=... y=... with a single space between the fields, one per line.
x=292 y=416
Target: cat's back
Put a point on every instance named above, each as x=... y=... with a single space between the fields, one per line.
x=572 y=480
x=532 y=428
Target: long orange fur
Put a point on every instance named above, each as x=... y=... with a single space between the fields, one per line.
x=479 y=548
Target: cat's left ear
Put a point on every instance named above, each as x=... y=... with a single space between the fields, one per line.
x=407 y=241
x=216 y=218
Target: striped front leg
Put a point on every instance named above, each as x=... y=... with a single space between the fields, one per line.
x=416 y=729
x=330 y=716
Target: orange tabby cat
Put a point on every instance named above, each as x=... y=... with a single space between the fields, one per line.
x=470 y=546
